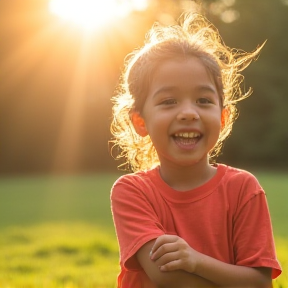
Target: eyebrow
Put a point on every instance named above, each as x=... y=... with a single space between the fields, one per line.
x=208 y=88
x=200 y=88
x=165 y=89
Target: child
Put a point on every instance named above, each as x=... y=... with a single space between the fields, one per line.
x=181 y=219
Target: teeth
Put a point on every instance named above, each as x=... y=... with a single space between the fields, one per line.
x=187 y=134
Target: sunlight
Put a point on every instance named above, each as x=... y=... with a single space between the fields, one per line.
x=92 y=14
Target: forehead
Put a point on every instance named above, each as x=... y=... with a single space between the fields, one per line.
x=183 y=73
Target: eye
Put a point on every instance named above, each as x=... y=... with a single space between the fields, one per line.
x=204 y=100
x=169 y=101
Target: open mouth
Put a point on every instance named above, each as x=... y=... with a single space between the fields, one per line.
x=187 y=138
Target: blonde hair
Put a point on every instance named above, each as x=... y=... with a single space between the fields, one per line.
x=194 y=36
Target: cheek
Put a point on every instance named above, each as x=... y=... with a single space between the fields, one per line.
x=156 y=120
x=157 y=127
x=216 y=124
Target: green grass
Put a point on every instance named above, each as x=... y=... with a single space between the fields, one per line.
x=58 y=231
x=276 y=188
x=58 y=255
x=29 y=201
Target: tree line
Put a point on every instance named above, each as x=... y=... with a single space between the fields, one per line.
x=56 y=85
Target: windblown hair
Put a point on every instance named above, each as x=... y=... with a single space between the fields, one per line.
x=195 y=36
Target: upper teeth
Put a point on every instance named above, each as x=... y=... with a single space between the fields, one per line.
x=188 y=134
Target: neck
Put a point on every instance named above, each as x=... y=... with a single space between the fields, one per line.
x=187 y=177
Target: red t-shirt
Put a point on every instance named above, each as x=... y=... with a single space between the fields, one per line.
x=227 y=218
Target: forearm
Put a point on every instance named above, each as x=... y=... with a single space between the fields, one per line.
x=213 y=273
x=172 y=253
x=198 y=270
x=178 y=278
x=228 y=275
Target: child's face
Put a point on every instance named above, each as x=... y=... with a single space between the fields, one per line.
x=182 y=112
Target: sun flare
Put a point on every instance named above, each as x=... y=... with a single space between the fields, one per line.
x=91 y=14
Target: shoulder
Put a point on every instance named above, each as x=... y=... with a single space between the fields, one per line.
x=240 y=185
x=240 y=177
x=133 y=183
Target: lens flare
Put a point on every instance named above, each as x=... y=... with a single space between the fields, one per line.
x=91 y=14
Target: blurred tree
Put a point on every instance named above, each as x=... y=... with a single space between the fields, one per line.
x=39 y=128
x=260 y=135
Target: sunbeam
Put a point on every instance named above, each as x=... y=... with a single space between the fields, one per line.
x=91 y=14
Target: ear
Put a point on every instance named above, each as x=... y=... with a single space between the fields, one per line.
x=224 y=117
x=139 y=124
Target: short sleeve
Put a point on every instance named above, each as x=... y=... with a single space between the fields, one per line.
x=135 y=220
x=253 y=236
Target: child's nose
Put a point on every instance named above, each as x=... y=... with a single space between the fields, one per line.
x=188 y=114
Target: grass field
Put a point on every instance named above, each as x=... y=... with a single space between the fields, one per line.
x=58 y=231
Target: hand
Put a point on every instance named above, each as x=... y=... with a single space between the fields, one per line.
x=170 y=252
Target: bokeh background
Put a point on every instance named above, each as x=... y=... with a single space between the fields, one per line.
x=56 y=83
x=56 y=171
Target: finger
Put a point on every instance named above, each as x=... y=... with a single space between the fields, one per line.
x=163 y=240
x=171 y=266
x=163 y=250
x=166 y=258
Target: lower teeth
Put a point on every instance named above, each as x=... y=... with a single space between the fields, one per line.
x=186 y=141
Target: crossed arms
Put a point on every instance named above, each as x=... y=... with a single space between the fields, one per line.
x=170 y=262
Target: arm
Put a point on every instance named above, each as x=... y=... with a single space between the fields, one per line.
x=176 y=278
x=176 y=263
